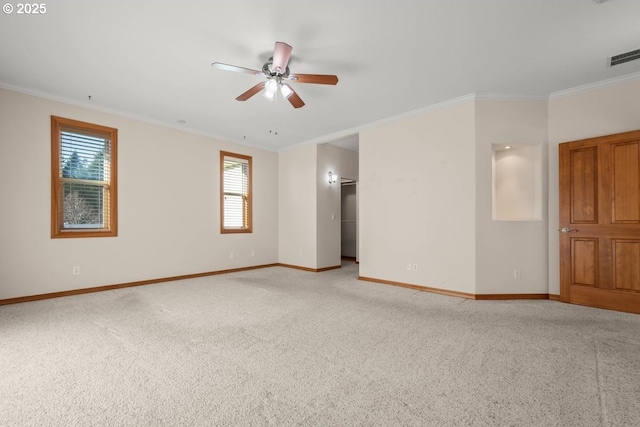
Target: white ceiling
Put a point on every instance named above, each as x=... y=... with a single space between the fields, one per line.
x=151 y=59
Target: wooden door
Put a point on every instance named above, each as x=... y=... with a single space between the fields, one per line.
x=600 y=222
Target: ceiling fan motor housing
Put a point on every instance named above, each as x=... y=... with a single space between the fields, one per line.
x=267 y=71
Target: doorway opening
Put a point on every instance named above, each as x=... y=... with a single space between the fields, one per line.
x=349 y=221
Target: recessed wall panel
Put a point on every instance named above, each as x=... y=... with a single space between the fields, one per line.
x=585 y=262
x=584 y=185
x=626 y=182
x=626 y=264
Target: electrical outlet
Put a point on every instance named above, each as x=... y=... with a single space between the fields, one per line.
x=414 y=267
x=516 y=274
x=409 y=267
x=76 y=270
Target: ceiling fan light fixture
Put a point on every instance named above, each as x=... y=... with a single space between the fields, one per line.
x=271 y=86
x=269 y=95
x=270 y=89
x=285 y=90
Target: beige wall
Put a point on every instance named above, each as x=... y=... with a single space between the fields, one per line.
x=505 y=246
x=417 y=199
x=400 y=162
x=168 y=205
x=309 y=237
x=586 y=114
x=424 y=198
x=297 y=206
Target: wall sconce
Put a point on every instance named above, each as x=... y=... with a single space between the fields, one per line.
x=332 y=177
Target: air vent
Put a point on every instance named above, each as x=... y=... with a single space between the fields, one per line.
x=624 y=57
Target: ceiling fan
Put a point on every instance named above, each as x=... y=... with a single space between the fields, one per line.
x=276 y=70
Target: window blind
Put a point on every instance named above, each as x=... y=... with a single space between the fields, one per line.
x=236 y=180
x=85 y=177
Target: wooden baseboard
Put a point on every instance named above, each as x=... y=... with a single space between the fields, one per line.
x=127 y=285
x=485 y=297
x=480 y=297
x=312 y=270
x=418 y=287
x=152 y=281
x=17 y=300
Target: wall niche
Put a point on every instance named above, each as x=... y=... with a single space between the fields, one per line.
x=517 y=182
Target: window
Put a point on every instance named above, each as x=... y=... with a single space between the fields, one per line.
x=235 y=193
x=83 y=179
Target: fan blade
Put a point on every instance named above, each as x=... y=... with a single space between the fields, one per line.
x=294 y=99
x=321 y=79
x=248 y=94
x=227 y=67
x=281 y=55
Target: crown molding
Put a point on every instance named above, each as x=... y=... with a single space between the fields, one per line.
x=489 y=96
x=479 y=96
x=594 y=86
x=118 y=113
x=428 y=109
x=355 y=130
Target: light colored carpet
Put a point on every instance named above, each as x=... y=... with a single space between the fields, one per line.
x=284 y=347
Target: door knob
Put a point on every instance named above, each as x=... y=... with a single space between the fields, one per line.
x=568 y=230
